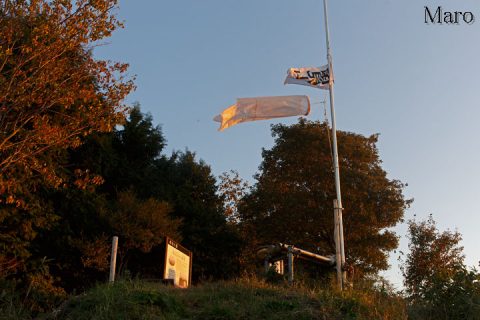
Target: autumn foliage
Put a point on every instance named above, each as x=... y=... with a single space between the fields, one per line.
x=78 y=166
x=438 y=284
x=53 y=92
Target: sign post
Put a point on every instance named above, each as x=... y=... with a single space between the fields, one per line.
x=113 y=259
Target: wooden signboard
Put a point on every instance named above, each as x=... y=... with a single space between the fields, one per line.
x=178 y=264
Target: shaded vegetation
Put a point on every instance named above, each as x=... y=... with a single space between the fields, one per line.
x=438 y=284
x=292 y=200
x=243 y=299
x=141 y=196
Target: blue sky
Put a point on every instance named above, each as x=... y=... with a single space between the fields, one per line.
x=415 y=84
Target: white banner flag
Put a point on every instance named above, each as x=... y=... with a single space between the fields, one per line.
x=263 y=108
x=317 y=77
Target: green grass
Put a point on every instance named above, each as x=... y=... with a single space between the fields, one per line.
x=242 y=299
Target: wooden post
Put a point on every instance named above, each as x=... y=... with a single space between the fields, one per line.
x=267 y=265
x=290 y=264
x=113 y=259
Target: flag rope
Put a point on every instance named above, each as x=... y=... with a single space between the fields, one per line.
x=324 y=102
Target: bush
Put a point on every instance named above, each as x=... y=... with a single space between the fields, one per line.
x=454 y=298
x=11 y=306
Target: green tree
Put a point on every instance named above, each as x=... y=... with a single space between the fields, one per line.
x=292 y=201
x=138 y=147
x=141 y=225
x=145 y=196
x=184 y=188
x=438 y=285
x=191 y=188
x=122 y=204
x=77 y=245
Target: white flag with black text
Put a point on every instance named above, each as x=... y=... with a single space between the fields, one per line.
x=317 y=77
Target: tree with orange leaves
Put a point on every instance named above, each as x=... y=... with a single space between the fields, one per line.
x=53 y=92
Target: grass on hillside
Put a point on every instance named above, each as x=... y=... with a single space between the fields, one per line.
x=242 y=299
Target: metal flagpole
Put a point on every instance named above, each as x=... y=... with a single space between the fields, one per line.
x=342 y=276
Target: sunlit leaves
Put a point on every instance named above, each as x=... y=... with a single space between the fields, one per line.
x=438 y=284
x=52 y=91
x=433 y=255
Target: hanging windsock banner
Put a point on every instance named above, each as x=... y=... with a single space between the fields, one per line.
x=317 y=77
x=263 y=108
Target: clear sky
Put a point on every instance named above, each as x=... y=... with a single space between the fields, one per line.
x=415 y=84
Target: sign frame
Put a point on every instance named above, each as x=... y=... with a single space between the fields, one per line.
x=178 y=247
